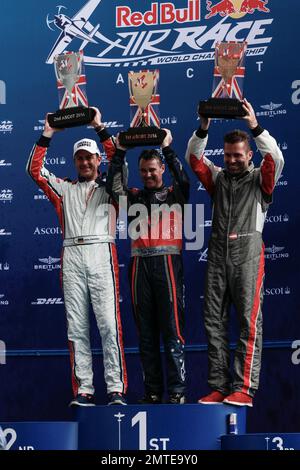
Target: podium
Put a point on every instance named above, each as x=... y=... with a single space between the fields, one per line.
x=131 y=427
x=155 y=427
x=41 y=436
x=266 y=441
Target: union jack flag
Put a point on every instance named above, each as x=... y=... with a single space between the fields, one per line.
x=233 y=88
x=150 y=114
x=79 y=97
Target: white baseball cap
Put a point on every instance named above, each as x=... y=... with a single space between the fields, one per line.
x=86 y=144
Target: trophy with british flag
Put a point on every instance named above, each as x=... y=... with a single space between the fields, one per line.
x=144 y=110
x=73 y=104
x=229 y=73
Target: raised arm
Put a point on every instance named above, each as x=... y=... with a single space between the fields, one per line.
x=107 y=140
x=205 y=169
x=273 y=162
x=116 y=182
x=180 y=178
x=51 y=185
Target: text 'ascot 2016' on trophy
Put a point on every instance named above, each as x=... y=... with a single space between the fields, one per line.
x=144 y=110
x=71 y=81
x=229 y=73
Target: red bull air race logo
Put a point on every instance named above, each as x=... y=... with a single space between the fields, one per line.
x=155 y=33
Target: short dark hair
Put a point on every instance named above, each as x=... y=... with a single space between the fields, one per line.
x=236 y=136
x=150 y=155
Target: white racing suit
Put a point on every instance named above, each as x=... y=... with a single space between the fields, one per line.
x=90 y=271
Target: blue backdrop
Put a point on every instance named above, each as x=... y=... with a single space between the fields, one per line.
x=35 y=375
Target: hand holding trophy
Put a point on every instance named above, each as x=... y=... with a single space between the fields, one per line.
x=229 y=72
x=144 y=102
x=74 y=110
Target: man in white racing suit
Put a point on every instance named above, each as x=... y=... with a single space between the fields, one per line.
x=90 y=271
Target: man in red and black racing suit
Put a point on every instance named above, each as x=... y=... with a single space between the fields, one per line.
x=90 y=271
x=240 y=195
x=156 y=272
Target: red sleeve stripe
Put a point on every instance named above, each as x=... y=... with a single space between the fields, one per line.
x=174 y=297
x=203 y=173
x=255 y=312
x=115 y=274
x=74 y=378
x=34 y=169
x=267 y=170
x=109 y=148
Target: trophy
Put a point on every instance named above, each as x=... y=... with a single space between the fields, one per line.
x=144 y=102
x=227 y=91
x=71 y=81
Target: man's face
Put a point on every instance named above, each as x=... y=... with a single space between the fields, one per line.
x=151 y=172
x=87 y=164
x=237 y=157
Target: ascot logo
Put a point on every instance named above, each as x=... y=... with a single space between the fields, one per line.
x=47 y=231
x=168 y=120
x=55 y=161
x=275 y=219
x=277 y=291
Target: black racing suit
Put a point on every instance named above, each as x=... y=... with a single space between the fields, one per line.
x=156 y=275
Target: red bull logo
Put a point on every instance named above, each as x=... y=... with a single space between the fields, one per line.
x=163 y=13
x=223 y=8
x=249 y=6
x=235 y=8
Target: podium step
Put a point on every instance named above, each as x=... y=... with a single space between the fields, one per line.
x=155 y=427
x=268 y=441
x=40 y=436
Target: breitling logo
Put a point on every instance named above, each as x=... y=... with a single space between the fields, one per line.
x=48 y=264
x=275 y=252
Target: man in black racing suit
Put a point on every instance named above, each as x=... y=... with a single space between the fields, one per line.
x=156 y=273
